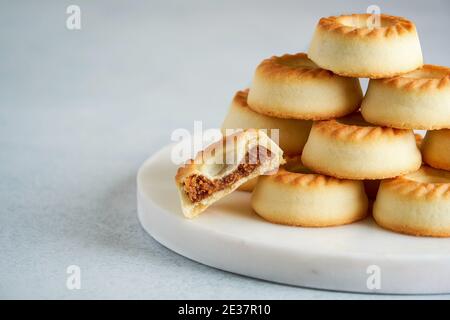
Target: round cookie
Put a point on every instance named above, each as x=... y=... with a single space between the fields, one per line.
x=292 y=86
x=416 y=100
x=436 y=149
x=296 y=196
x=292 y=133
x=350 y=45
x=351 y=148
x=417 y=203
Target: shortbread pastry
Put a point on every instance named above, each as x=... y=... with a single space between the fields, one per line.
x=436 y=149
x=223 y=167
x=292 y=134
x=416 y=100
x=292 y=86
x=354 y=46
x=296 y=196
x=351 y=148
x=417 y=203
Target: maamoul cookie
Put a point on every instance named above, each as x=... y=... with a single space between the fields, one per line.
x=348 y=45
x=223 y=167
x=417 y=203
x=292 y=86
x=436 y=149
x=351 y=148
x=416 y=100
x=296 y=196
x=292 y=133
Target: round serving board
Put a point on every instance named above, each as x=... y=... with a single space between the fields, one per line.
x=360 y=257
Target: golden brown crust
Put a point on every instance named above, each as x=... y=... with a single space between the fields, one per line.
x=416 y=126
x=240 y=98
x=421 y=82
x=352 y=132
x=395 y=26
x=360 y=177
x=371 y=75
x=305 y=179
x=410 y=188
x=286 y=66
x=304 y=116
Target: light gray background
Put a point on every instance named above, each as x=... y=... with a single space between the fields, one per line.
x=81 y=110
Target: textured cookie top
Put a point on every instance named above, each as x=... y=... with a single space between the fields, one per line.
x=294 y=173
x=292 y=65
x=354 y=128
x=360 y=25
x=425 y=78
x=426 y=183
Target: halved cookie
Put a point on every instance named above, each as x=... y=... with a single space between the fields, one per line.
x=292 y=86
x=353 y=45
x=416 y=100
x=436 y=149
x=299 y=197
x=223 y=167
x=351 y=148
x=417 y=203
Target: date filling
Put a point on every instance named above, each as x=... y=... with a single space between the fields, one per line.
x=198 y=187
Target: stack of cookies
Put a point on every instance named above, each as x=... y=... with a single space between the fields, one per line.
x=343 y=150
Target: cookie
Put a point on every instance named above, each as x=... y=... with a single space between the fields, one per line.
x=294 y=87
x=224 y=166
x=352 y=46
x=416 y=100
x=351 y=148
x=417 y=203
x=299 y=197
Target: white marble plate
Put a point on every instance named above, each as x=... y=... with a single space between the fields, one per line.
x=360 y=257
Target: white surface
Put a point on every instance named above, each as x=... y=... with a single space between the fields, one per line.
x=230 y=236
x=81 y=110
